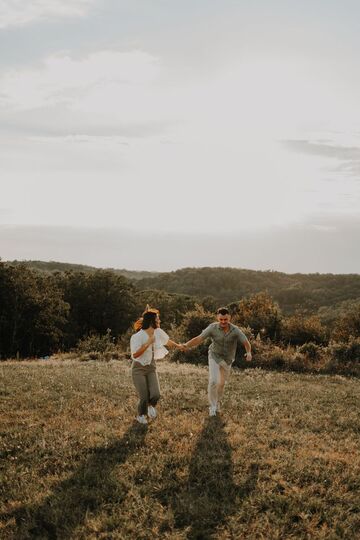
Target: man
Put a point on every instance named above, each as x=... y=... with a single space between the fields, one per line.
x=225 y=337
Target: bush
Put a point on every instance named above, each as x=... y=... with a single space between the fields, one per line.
x=298 y=330
x=193 y=324
x=96 y=343
x=348 y=326
x=311 y=350
x=260 y=313
x=346 y=352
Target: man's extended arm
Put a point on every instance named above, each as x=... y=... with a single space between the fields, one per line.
x=194 y=342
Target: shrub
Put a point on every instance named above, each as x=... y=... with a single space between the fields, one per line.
x=297 y=330
x=346 y=352
x=311 y=350
x=260 y=313
x=96 y=343
x=348 y=326
x=193 y=324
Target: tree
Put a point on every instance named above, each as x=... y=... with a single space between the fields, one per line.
x=298 y=329
x=98 y=301
x=32 y=312
x=260 y=313
x=348 y=325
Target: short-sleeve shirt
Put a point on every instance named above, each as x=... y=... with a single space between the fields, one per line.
x=156 y=351
x=223 y=345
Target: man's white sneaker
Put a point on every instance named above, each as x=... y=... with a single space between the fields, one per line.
x=152 y=411
x=218 y=407
x=141 y=419
x=212 y=410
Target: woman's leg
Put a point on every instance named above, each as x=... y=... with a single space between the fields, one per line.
x=154 y=387
x=140 y=382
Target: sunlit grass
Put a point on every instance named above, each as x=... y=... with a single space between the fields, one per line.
x=282 y=461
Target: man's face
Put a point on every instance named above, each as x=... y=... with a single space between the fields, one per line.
x=223 y=320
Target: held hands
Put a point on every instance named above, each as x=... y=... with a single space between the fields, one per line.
x=182 y=347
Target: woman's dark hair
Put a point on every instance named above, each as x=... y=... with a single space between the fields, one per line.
x=149 y=320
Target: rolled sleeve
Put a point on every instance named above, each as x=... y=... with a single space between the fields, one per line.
x=207 y=332
x=241 y=337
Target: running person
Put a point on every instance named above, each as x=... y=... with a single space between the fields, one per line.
x=225 y=337
x=148 y=345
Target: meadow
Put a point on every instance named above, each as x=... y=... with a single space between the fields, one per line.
x=282 y=460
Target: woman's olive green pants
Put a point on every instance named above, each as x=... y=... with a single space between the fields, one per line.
x=146 y=383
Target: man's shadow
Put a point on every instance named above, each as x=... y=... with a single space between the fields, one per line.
x=209 y=496
x=87 y=490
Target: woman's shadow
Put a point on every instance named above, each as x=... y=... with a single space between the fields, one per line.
x=88 y=489
x=209 y=496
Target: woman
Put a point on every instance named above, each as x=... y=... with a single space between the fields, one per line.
x=148 y=345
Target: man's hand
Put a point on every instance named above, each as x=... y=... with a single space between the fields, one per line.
x=182 y=347
x=248 y=356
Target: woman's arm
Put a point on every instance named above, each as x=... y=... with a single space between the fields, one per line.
x=143 y=348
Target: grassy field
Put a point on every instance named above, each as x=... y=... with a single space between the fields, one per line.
x=281 y=462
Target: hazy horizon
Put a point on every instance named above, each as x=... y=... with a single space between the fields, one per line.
x=221 y=132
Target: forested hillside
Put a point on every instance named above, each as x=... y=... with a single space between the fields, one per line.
x=305 y=292
x=54 y=266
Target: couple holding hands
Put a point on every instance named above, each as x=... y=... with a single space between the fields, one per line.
x=148 y=345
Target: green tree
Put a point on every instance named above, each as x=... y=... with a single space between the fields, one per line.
x=260 y=313
x=98 y=301
x=348 y=325
x=299 y=329
x=32 y=312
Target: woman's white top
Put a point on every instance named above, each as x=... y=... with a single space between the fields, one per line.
x=156 y=351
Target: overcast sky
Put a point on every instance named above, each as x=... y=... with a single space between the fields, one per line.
x=156 y=134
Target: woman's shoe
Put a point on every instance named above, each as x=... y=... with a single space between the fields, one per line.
x=141 y=419
x=152 y=412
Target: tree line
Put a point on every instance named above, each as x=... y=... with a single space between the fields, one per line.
x=43 y=312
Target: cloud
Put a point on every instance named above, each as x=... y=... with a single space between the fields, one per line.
x=108 y=93
x=63 y=79
x=60 y=121
x=349 y=155
x=20 y=13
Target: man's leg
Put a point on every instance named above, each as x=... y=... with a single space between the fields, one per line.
x=224 y=375
x=214 y=379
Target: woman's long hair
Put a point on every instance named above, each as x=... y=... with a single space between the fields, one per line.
x=147 y=320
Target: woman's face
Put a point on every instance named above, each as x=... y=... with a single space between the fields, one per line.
x=158 y=321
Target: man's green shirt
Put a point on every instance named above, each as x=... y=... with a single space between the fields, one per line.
x=223 y=346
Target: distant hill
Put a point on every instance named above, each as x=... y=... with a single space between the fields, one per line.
x=307 y=292
x=54 y=266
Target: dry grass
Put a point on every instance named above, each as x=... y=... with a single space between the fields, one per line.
x=281 y=462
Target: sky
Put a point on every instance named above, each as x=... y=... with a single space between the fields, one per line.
x=156 y=135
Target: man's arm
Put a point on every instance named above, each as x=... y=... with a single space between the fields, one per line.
x=194 y=342
x=246 y=344
x=173 y=344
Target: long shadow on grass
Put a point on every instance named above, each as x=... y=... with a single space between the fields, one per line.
x=209 y=496
x=88 y=490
